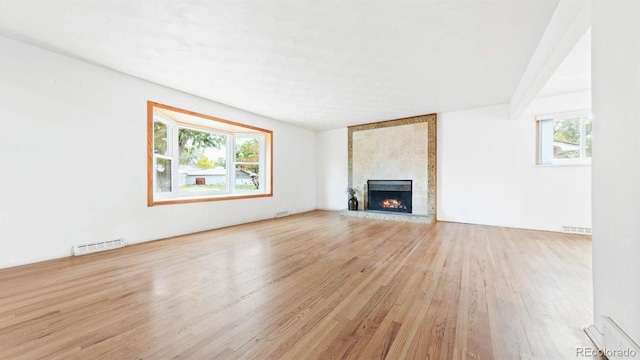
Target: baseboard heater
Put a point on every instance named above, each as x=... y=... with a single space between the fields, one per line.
x=98 y=246
x=576 y=230
x=613 y=342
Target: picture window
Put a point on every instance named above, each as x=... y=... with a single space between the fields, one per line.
x=194 y=157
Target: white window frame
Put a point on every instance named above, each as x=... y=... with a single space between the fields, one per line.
x=167 y=156
x=544 y=156
x=261 y=156
x=227 y=128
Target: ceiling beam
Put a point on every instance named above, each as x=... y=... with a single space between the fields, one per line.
x=568 y=24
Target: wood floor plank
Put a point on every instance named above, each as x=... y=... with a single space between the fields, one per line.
x=313 y=286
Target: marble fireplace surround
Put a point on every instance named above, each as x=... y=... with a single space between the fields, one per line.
x=402 y=149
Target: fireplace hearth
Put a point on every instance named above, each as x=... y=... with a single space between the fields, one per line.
x=389 y=195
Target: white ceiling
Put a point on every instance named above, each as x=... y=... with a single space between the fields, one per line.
x=317 y=64
x=574 y=74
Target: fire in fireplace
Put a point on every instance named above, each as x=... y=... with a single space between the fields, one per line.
x=389 y=195
x=392 y=204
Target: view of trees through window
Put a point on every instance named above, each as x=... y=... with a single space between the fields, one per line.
x=195 y=157
x=162 y=160
x=565 y=137
x=203 y=164
x=192 y=145
x=202 y=156
x=569 y=132
x=247 y=163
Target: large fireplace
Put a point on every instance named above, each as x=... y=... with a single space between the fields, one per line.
x=389 y=195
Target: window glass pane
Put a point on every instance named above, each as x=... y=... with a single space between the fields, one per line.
x=163 y=175
x=546 y=141
x=566 y=139
x=203 y=181
x=160 y=142
x=247 y=153
x=247 y=176
x=247 y=149
x=203 y=167
x=588 y=136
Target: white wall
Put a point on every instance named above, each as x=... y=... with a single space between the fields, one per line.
x=73 y=159
x=332 y=169
x=616 y=163
x=487 y=172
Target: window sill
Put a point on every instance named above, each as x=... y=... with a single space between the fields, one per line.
x=193 y=199
x=569 y=164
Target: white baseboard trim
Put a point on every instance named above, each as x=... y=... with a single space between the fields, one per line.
x=595 y=336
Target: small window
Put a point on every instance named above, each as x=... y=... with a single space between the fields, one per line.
x=564 y=138
x=194 y=157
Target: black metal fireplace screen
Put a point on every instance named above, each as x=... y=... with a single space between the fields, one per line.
x=389 y=195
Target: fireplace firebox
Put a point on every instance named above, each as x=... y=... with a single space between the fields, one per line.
x=389 y=195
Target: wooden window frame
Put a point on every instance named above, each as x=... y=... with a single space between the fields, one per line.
x=267 y=162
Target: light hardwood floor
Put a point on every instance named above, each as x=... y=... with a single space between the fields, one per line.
x=308 y=286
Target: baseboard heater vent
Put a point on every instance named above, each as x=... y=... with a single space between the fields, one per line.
x=282 y=214
x=97 y=246
x=613 y=343
x=576 y=230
